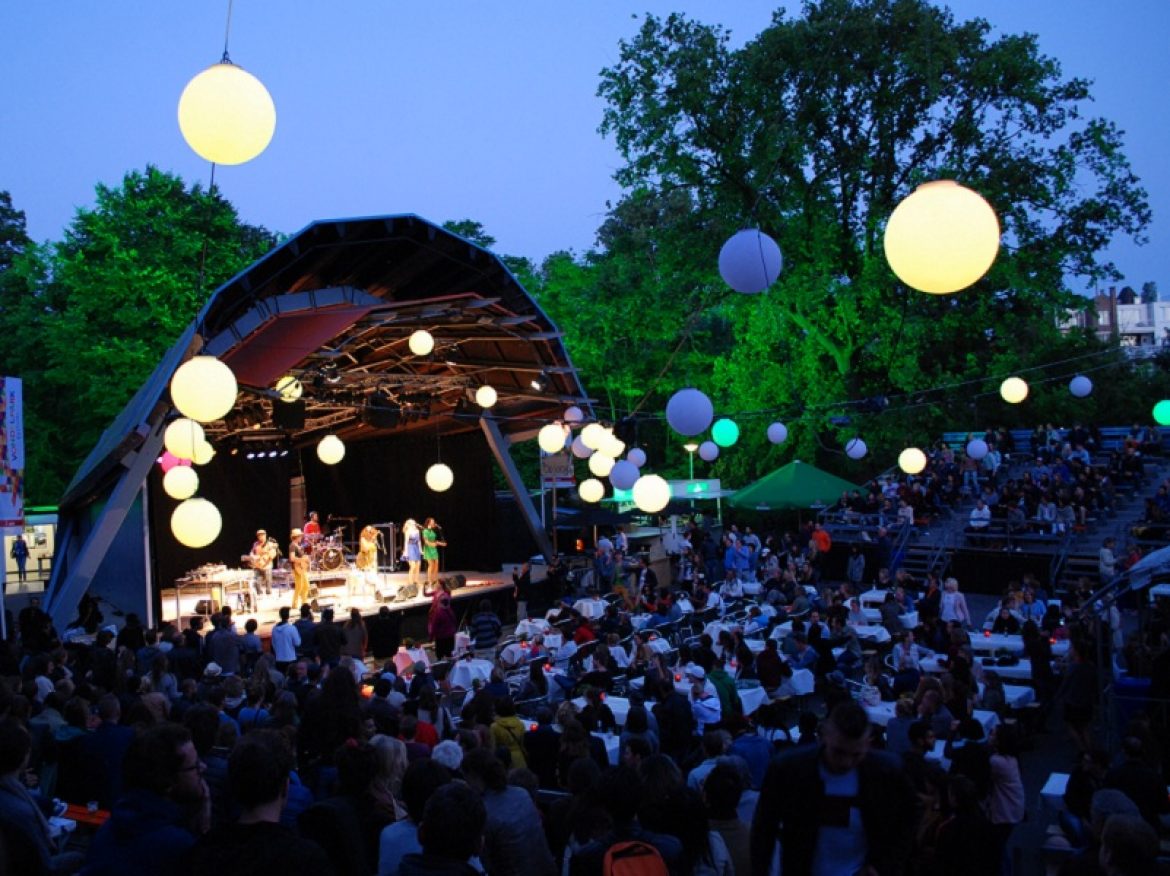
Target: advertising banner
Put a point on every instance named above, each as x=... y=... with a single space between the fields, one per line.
x=11 y=454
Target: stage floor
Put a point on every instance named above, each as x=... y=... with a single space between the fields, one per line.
x=354 y=590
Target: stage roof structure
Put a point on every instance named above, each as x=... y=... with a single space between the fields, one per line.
x=335 y=306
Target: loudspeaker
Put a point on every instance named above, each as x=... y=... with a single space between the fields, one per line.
x=456 y=582
x=405 y=592
x=206 y=607
x=289 y=416
x=380 y=411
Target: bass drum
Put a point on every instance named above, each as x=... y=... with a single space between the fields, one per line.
x=330 y=559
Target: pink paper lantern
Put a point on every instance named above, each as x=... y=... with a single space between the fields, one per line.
x=168 y=461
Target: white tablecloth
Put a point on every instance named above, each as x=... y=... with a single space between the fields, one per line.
x=404 y=660
x=1022 y=671
x=620 y=706
x=752 y=588
x=590 y=608
x=986 y=643
x=465 y=672
x=871 y=633
x=532 y=627
x=1052 y=794
x=884 y=711
x=613 y=746
x=873 y=597
x=659 y=645
x=640 y=621
x=752 y=698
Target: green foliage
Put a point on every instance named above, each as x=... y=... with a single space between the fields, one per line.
x=97 y=310
x=814 y=131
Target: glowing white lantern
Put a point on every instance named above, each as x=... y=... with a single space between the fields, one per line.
x=226 y=114
x=601 y=464
x=440 y=477
x=573 y=414
x=591 y=490
x=1080 y=386
x=856 y=449
x=204 y=453
x=613 y=446
x=203 y=389
x=977 y=448
x=289 y=387
x=912 y=460
x=708 y=451
x=750 y=261
x=1014 y=390
x=651 y=493
x=942 y=238
x=689 y=412
x=777 y=433
x=593 y=435
x=637 y=456
x=421 y=343
x=623 y=475
x=486 y=396
x=182 y=437
x=580 y=449
x=551 y=437
x=196 y=523
x=330 y=450
x=181 y=482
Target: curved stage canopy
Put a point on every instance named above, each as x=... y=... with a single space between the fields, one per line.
x=334 y=306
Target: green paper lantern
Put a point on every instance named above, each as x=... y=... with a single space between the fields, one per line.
x=725 y=432
x=1162 y=412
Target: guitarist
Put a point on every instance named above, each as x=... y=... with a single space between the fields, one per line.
x=263 y=555
x=299 y=559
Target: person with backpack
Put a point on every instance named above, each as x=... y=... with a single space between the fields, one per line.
x=626 y=849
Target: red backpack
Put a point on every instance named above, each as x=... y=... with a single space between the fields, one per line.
x=633 y=858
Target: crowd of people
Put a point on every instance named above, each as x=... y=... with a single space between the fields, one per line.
x=325 y=754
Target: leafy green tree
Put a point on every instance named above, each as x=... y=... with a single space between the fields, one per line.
x=101 y=306
x=814 y=131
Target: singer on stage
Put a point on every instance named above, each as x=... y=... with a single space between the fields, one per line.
x=367 y=557
x=431 y=545
x=264 y=553
x=412 y=551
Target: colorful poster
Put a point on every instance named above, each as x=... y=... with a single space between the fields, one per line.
x=11 y=454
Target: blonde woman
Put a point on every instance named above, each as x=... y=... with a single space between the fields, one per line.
x=953 y=605
x=412 y=551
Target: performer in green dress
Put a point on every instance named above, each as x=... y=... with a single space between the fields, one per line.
x=431 y=545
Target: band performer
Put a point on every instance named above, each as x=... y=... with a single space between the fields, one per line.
x=367 y=556
x=431 y=545
x=264 y=553
x=299 y=559
x=412 y=551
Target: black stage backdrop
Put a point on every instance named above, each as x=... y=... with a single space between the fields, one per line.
x=385 y=481
x=250 y=494
x=376 y=482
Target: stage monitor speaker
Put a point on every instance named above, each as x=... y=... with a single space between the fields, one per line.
x=456 y=582
x=289 y=416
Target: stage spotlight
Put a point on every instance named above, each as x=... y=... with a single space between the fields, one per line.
x=272 y=454
x=284 y=452
x=251 y=454
x=330 y=372
x=541 y=382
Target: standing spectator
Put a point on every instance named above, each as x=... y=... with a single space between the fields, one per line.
x=355 y=637
x=258 y=779
x=19 y=553
x=383 y=633
x=855 y=571
x=485 y=630
x=1005 y=798
x=1107 y=561
x=164 y=805
x=953 y=604
x=422 y=779
x=864 y=818
x=329 y=640
x=513 y=839
x=451 y=833
x=441 y=622
x=285 y=641
x=307 y=630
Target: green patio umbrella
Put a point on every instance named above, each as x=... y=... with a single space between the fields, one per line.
x=792 y=487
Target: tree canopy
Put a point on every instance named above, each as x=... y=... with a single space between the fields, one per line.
x=93 y=314
x=814 y=131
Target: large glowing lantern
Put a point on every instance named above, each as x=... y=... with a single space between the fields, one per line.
x=1162 y=412
x=637 y=456
x=486 y=396
x=942 y=238
x=226 y=114
x=708 y=451
x=623 y=475
x=330 y=450
x=440 y=477
x=573 y=414
x=591 y=490
x=551 y=438
x=689 y=412
x=182 y=437
x=203 y=389
x=1080 y=386
x=204 y=453
x=750 y=261
x=593 y=436
x=421 y=343
x=725 y=432
x=289 y=388
x=856 y=449
x=977 y=448
x=912 y=460
x=180 y=482
x=1014 y=390
x=601 y=464
x=580 y=449
x=651 y=493
x=777 y=433
x=196 y=523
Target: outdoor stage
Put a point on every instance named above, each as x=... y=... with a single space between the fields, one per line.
x=341 y=590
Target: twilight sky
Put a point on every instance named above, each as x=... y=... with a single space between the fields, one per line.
x=449 y=110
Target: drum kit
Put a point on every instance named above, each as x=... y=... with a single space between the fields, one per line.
x=327 y=553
